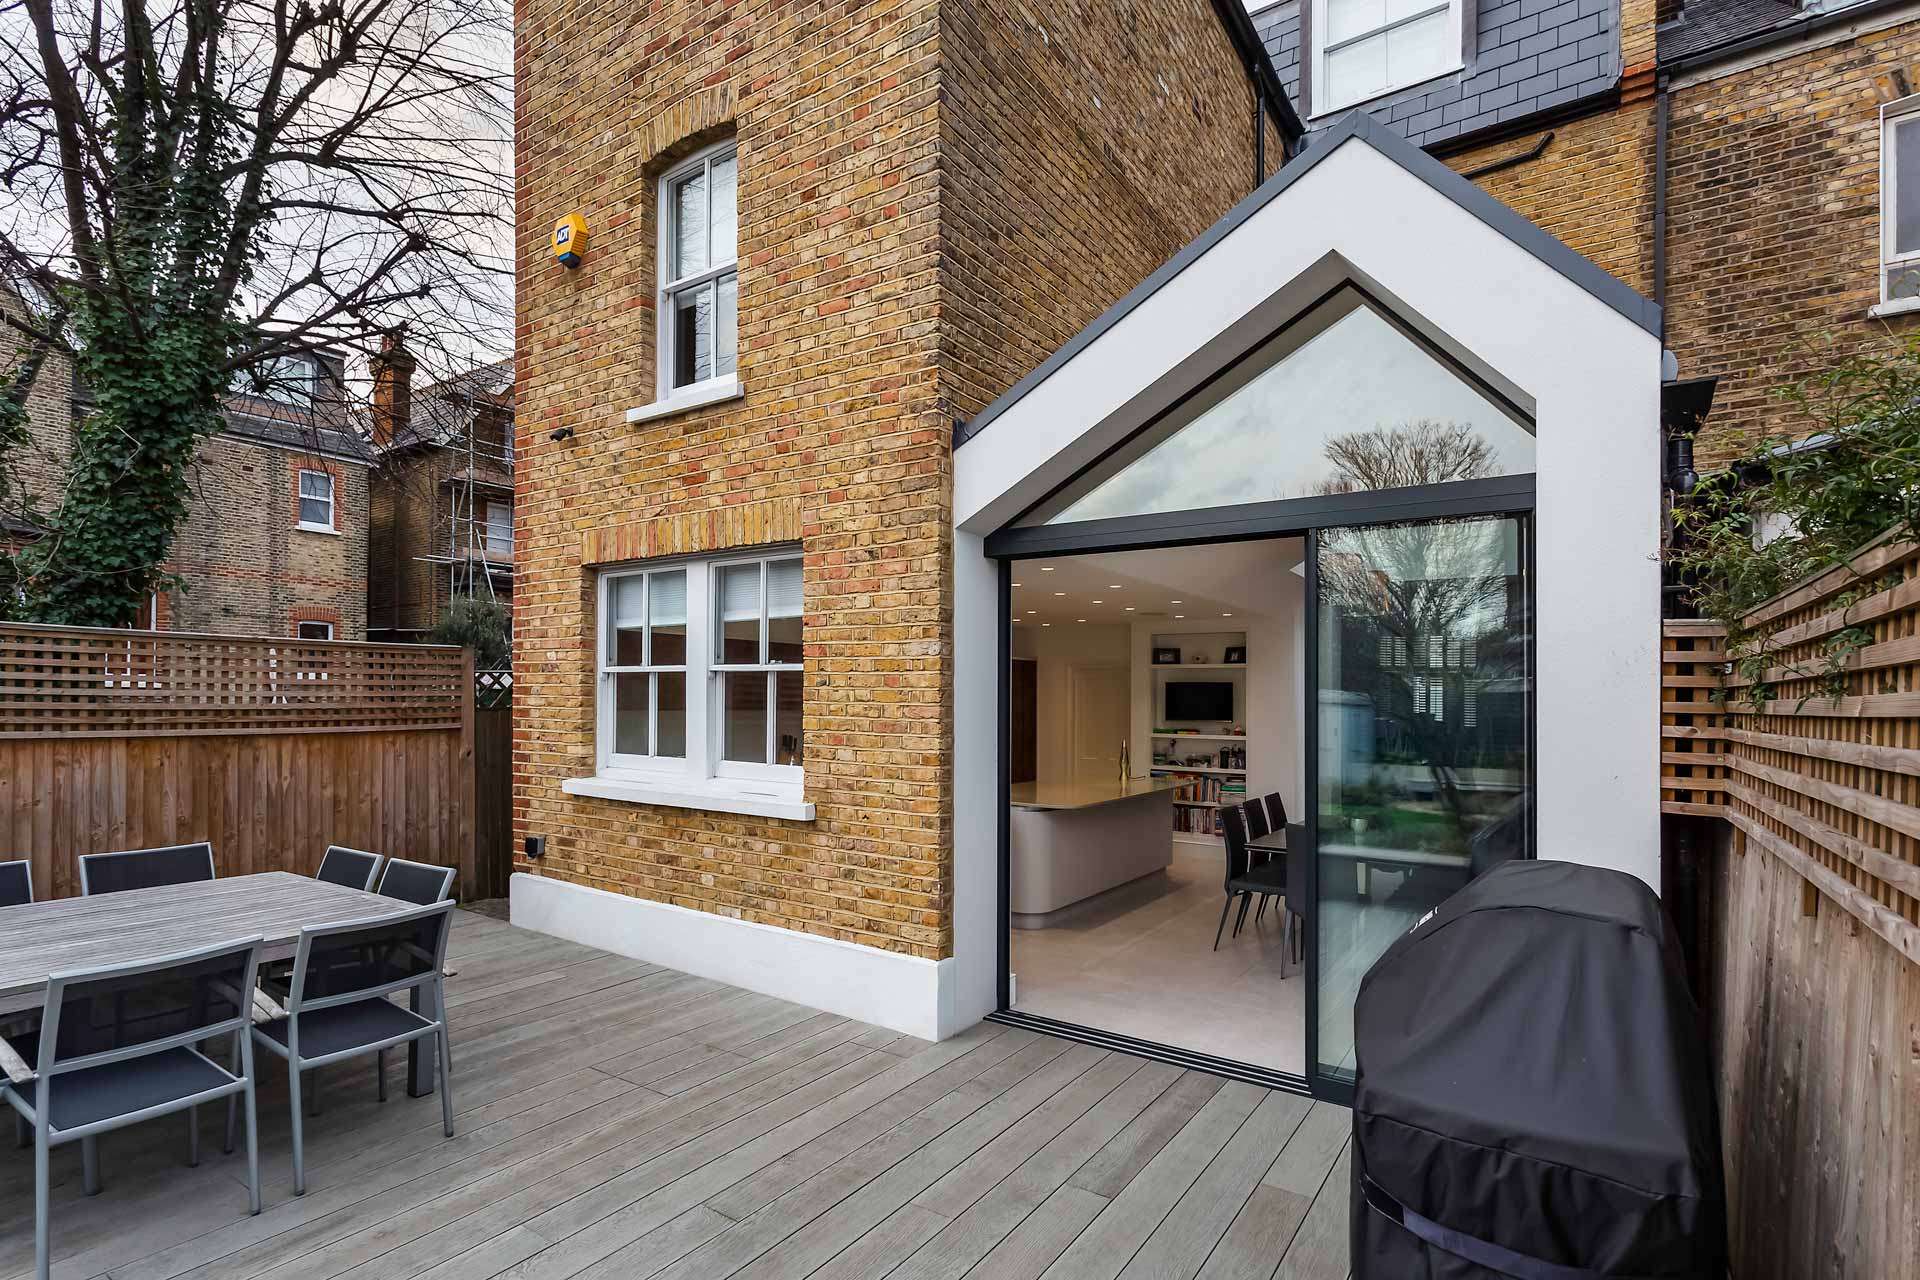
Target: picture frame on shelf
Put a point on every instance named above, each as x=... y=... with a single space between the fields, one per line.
x=1235 y=656
x=1167 y=657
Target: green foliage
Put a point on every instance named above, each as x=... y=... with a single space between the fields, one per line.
x=1853 y=476
x=485 y=626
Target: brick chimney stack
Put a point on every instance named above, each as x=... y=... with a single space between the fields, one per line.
x=392 y=389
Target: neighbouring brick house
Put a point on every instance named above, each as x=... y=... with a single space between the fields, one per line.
x=863 y=291
x=275 y=538
x=1789 y=230
x=442 y=493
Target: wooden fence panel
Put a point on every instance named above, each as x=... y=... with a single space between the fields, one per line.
x=270 y=749
x=493 y=800
x=1805 y=738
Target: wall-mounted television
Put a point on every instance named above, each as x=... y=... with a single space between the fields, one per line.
x=1199 y=700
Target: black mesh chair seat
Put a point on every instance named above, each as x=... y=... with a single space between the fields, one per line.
x=120 y=1088
x=346 y=1027
x=16 y=883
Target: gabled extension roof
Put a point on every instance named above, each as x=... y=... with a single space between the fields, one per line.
x=1356 y=125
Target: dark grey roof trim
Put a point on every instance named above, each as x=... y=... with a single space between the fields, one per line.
x=1628 y=302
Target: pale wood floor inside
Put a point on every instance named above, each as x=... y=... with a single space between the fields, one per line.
x=617 y=1119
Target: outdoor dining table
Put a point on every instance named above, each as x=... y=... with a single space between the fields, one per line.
x=42 y=938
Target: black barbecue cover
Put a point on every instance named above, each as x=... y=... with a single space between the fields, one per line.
x=1533 y=1096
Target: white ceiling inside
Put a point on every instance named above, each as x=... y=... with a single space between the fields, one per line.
x=1224 y=582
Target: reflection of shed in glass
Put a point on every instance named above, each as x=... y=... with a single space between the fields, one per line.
x=1346 y=738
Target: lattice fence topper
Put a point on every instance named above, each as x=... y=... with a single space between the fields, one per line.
x=100 y=683
x=1806 y=738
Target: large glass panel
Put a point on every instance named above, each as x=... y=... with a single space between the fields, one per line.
x=726 y=325
x=693 y=336
x=1349 y=18
x=1342 y=401
x=1425 y=735
x=1356 y=71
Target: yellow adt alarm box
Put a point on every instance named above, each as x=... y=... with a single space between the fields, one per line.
x=570 y=239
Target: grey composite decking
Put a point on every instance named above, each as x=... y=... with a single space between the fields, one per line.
x=621 y=1120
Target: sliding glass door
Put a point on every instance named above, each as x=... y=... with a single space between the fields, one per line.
x=1424 y=752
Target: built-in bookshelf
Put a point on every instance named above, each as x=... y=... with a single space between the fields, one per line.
x=1208 y=758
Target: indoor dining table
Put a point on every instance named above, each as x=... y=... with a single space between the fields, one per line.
x=68 y=934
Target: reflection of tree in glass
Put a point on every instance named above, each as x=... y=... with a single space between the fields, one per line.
x=1424 y=451
x=1429 y=624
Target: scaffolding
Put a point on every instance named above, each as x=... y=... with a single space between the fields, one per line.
x=477 y=546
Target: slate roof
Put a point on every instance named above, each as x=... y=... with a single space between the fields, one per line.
x=1708 y=24
x=439 y=411
x=1527 y=57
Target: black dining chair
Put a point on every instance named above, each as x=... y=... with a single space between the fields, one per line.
x=339 y=1005
x=16 y=883
x=74 y=1080
x=416 y=882
x=1276 y=811
x=1257 y=824
x=145 y=868
x=1244 y=881
x=352 y=868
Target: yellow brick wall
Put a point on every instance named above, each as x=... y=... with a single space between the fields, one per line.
x=1774 y=226
x=856 y=170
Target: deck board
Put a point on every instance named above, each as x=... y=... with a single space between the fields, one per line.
x=617 y=1119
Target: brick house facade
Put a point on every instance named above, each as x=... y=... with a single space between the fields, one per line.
x=441 y=495
x=247 y=563
x=930 y=196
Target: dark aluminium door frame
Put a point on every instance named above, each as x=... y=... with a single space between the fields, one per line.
x=1291 y=518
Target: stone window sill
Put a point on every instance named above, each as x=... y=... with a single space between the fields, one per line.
x=687 y=399
x=712 y=796
x=327 y=529
x=1894 y=307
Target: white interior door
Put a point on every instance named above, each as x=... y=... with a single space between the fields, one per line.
x=1101 y=718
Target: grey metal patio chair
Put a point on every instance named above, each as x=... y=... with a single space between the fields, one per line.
x=75 y=1079
x=145 y=868
x=338 y=1006
x=16 y=883
x=353 y=868
x=419 y=882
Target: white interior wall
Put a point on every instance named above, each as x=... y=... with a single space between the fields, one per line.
x=1056 y=651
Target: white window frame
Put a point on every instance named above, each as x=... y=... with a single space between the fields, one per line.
x=312 y=622
x=720 y=385
x=1322 y=105
x=1892 y=115
x=778 y=773
x=700 y=779
x=301 y=498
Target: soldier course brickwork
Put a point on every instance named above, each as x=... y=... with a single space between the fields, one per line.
x=911 y=175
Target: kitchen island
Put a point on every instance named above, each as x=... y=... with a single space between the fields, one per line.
x=1071 y=840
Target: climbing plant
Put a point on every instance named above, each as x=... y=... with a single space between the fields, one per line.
x=1804 y=503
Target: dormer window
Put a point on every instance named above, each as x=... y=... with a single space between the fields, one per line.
x=1366 y=48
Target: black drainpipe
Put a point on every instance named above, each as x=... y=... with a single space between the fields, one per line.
x=1660 y=201
x=1259 y=138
